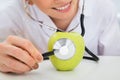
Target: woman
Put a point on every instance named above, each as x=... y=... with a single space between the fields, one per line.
x=27 y=25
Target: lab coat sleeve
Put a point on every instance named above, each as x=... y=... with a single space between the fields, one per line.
x=9 y=23
x=109 y=40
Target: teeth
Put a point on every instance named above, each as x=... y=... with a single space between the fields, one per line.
x=64 y=7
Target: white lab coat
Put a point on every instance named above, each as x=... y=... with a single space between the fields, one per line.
x=102 y=34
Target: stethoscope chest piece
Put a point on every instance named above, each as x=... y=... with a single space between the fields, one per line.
x=64 y=49
x=68 y=49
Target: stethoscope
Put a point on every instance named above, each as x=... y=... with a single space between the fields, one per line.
x=93 y=56
x=60 y=55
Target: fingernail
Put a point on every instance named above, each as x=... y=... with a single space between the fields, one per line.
x=39 y=58
x=35 y=66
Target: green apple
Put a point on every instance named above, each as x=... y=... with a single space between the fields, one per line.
x=69 y=50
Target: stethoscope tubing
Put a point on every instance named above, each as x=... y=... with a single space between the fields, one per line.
x=93 y=56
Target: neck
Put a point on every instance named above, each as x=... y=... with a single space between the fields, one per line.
x=62 y=24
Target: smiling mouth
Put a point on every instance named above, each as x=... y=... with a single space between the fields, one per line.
x=63 y=8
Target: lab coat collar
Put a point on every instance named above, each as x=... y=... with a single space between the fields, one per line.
x=39 y=15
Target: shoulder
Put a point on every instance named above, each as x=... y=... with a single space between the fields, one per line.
x=10 y=16
x=100 y=6
x=101 y=10
x=106 y=7
x=10 y=9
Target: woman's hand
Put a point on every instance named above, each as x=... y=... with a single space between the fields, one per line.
x=18 y=55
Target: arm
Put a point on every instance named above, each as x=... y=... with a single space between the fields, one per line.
x=17 y=54
x=109 y=40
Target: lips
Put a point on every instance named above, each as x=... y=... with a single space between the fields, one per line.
x=64 y=8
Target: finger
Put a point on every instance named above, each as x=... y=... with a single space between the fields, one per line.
x=18 y=54
x=4 y=68
x=14 y=65
x=21 y=55
x=26 y=45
